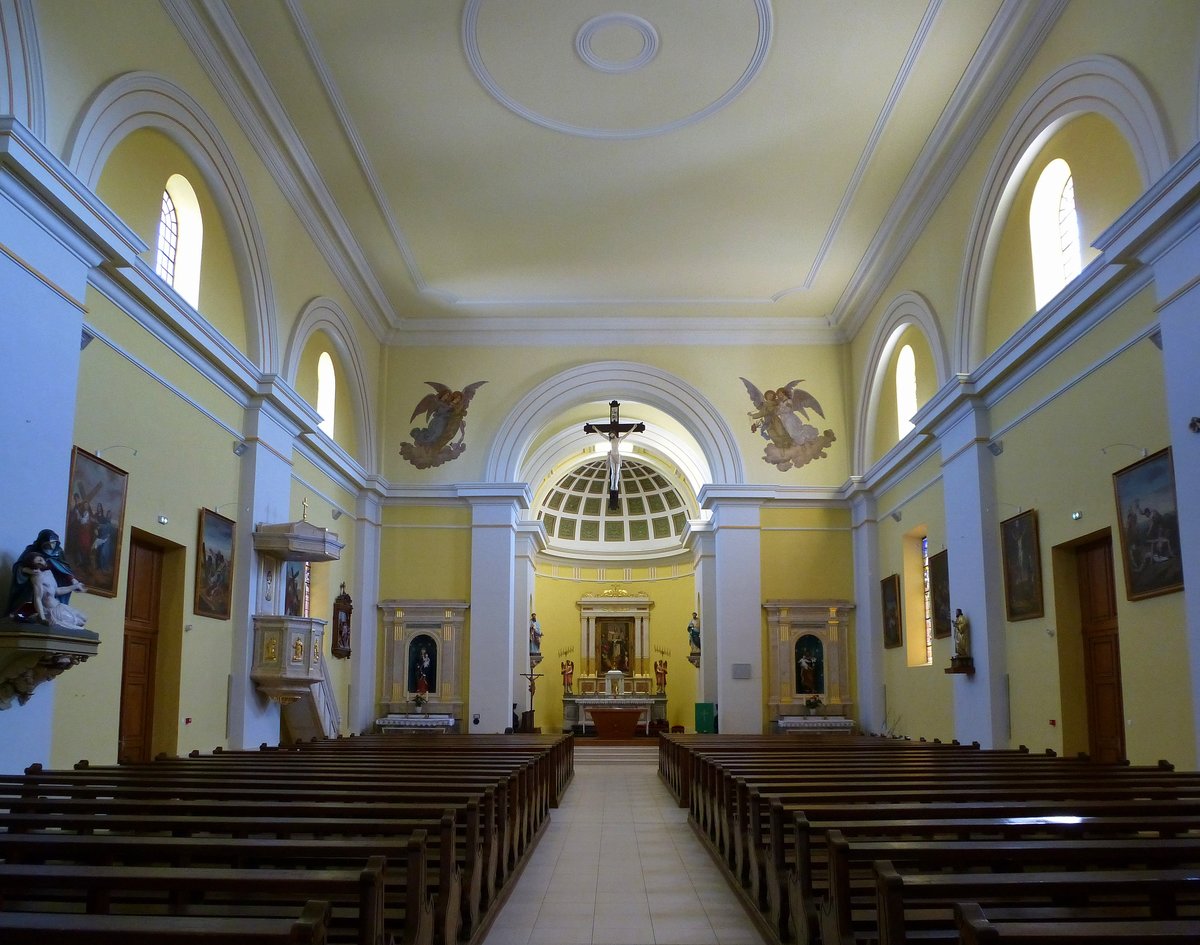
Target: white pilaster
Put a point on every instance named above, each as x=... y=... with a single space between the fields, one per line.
x=973 y=537
x=736 y=619
x=868 y=618
x=265 y=488
x=495 y=509
x=362 y=707
x=530 y=539
x=702 y=540
x=42 y=284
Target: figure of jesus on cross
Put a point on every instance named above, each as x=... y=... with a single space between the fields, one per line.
x=616 y=431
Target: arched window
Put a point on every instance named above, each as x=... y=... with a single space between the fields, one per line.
x=906 y=389
x=326 y=392
x=180 y=239
x=1054 y=232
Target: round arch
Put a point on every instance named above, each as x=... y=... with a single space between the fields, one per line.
x=1103 y=85
x=324 y=315
x=908 y=309
x=22 y=91
x=598 y=381
x=138 y=100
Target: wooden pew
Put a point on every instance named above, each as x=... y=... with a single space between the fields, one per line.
x=406 y=889
x=1153 y=893
x=975 y=928
x=222 y=892
x=792 y=860
x=848 y=859
x=36 y=928
x=460 y=868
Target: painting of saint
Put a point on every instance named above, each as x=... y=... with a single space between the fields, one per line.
x=810 y=666
x=422 y=664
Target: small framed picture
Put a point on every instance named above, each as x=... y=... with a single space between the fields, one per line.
x=939 y=593
x=214 y=566
x=890 y=591
x=95 y=522
x=1148 y=520
x=1022 y=566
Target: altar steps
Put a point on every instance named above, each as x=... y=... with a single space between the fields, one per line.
x=615 y=752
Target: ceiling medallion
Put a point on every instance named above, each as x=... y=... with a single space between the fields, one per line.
x=583 y=42
x=583 y=46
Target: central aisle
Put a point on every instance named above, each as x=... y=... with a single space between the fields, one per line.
x=619 y=865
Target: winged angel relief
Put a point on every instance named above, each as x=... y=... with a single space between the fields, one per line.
x=445 y=413
x=791 y=442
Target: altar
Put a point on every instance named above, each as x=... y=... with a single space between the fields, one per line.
x=416 y=722
x=583 y=713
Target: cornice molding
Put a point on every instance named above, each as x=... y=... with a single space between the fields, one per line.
x=556 y=331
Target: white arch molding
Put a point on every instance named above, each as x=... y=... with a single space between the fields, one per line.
x=22 y=93
x=908 y=309
x=324 y=315
x=137 y=100
x=604 y=381
x=1103 y=85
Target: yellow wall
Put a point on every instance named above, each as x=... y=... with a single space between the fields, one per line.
x=714 y=372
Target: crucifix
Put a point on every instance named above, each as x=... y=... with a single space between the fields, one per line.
x=616 y=431
x=533 y=678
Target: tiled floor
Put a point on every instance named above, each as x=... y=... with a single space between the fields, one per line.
x=619 y=865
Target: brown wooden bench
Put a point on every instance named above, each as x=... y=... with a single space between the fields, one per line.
x=194 y=852
x=1050 y=896
x=459 y=840
x=223 y=892
x=34 y=928
x=851 y=893
x=975 y=928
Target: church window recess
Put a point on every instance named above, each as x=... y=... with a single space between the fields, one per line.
x=906 y=389
x=180 y=239
x=326 y=392
x=1054 y=232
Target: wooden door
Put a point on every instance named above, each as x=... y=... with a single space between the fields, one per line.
x=144 y=587
x=1101 y=651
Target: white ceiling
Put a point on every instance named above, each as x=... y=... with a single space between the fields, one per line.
x=665 y=169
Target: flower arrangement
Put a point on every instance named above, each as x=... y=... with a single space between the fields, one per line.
x=420 y=699
x=813 y=702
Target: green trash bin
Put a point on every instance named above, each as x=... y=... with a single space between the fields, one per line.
x=704 y=718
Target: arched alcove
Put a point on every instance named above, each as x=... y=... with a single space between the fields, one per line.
x=326 y=317
x=907 y=311
x=1101 y=84
x=139 y=100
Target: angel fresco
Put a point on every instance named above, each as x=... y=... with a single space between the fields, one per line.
x=791 y=442
x=445 y=413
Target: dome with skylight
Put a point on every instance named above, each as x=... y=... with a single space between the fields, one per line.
x=651 y=516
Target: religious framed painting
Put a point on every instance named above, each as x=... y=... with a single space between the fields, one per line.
x=890 y=592
x=95 y=522
x=939 y=593
x=1022 y=559
x=1148 y=520
x=295 y=588
x=214 y=566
